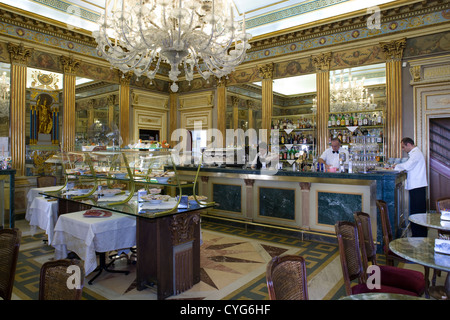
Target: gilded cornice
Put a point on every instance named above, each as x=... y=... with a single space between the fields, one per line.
x=21 y=20
x=331 y=26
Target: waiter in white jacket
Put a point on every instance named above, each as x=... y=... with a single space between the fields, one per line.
x=416 y=183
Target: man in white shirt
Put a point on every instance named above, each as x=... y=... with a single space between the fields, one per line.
x=330 y=157
x=416 y=183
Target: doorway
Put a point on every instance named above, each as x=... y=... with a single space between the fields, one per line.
x=439 y=152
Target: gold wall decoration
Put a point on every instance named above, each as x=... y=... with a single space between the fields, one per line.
x=124 y=106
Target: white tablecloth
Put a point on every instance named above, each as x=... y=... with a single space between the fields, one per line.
x=43 y=213
x=34 y=192
x=86 y=236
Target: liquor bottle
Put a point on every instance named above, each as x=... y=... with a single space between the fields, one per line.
x=360 y=120
x=364 y=122
x=333 y=120
x=338 y=121
x=347 y=120
x=355 y=120
x=343 y=121
x=379 y=118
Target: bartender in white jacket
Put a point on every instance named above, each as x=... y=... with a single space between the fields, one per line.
x=330 y=157
x=416 y=182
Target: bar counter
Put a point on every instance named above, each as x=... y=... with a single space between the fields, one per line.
x=310 y=202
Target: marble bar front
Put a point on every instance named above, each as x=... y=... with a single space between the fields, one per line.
x=310 y=202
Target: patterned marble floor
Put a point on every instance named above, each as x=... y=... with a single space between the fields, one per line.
x=233 y=263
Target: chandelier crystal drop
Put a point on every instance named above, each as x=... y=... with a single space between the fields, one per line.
x=195 y=35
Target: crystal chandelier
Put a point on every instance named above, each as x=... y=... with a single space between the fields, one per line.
x=193 y=35
x=349 y=96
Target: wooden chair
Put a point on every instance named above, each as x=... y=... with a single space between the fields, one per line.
x=407 y=279
x=351 y=262
x=442 y=204
x=9 y=253
x=54 y=276
x=387 y=234
x=46 y=181
x=286 y=278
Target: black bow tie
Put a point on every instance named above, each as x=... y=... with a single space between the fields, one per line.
x=335 y=151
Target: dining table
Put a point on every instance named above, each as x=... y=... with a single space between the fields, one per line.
x=421 y=250
x=380 y=296
x=43 y=213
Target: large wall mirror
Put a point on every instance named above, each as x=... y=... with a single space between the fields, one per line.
x=96 y=114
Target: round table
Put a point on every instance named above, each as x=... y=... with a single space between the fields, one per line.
x=432 y=220
x=380 y=296
x=421 y=251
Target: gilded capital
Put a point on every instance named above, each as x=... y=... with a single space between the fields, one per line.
x=124 y=78
x=322 y=61
x=69 y=64
x=393 y=50
x=234 y=101
x=266 y=70
x=19 y=54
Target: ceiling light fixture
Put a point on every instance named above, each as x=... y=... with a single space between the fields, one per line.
x=196 y=35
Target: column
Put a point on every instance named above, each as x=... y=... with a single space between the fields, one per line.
x=222 y=108
x=19 y=58
x=173 y=118
x=70 y=66
x=250 y=107
x=266 y=72
x=393 y=52
x=124 y=107
x=322 y=65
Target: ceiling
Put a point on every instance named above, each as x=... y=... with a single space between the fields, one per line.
x=262 y=16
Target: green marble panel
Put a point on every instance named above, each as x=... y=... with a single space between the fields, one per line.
x=333 y=207
x=277 y=203
x=228 y=197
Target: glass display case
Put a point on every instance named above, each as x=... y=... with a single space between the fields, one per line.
x=128 y=181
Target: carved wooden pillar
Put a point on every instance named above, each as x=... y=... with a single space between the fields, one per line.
x=222 y=108
x=70 y=67
x=249 y=196
x=173 y=118
x=124 y=107
x=266 y=72
x=393 y=51
x=19 y=58
x=305 y=186
x=322 y=64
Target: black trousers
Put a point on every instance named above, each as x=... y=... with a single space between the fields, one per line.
x=418 y=204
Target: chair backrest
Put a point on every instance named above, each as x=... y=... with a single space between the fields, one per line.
x=46 y=181
x=54 y=280
x=350 y=253
x=385 y=225
x=366 y=242
x=286 y=278
x=9 y=253
x=443 y=204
